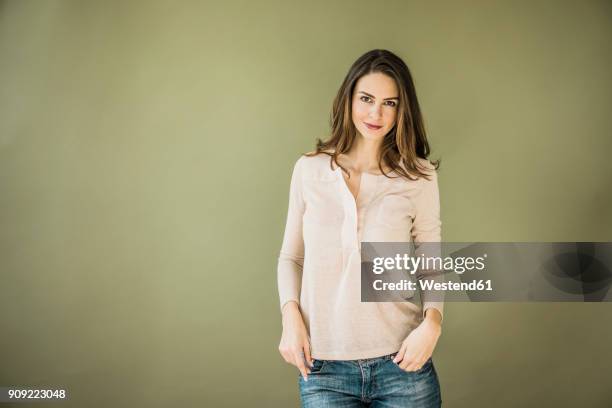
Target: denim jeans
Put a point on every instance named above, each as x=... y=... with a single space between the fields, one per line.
x=373 y=382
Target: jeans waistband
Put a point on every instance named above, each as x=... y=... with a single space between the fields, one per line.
x=386 y=357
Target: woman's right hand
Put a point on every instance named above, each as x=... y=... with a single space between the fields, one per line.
x=295 y=343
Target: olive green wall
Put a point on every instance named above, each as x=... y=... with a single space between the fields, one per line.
x=145 y=155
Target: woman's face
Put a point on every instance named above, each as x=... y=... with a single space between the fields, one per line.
x=374 y=105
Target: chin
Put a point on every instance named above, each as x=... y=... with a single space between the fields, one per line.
x=373 y=133
x=370 y=136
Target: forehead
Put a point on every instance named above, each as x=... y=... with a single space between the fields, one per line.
x=377 y=84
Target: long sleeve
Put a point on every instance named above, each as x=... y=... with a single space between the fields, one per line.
x=291 y=258
x=426 y=234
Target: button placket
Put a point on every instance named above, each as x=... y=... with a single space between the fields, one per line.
x=355 y=210
x=350 y=210
x=370 y=187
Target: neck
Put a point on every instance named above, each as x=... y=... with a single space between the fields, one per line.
x=364 y=154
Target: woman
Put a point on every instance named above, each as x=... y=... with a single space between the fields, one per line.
x=371 y=181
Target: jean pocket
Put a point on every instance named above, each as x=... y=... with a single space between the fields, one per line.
x=317 y=367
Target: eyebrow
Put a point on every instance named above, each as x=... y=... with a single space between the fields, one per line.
x=373 y=97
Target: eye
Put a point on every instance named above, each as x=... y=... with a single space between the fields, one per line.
x=392 y=103
x=365 y=98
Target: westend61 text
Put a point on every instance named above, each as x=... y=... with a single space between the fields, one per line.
x=428 y=284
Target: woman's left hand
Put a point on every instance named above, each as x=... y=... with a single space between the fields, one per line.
x=419 y=345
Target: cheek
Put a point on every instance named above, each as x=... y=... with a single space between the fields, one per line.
x=391 y=117
x=357 y=121
x=359 y=110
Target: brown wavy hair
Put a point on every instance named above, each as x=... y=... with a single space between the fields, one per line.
x=405 y=143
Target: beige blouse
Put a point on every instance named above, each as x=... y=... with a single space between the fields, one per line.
x=320 y=262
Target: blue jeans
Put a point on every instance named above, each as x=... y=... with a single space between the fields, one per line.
x=373 y=382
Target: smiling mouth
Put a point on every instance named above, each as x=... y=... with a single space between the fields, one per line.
x=374 y=127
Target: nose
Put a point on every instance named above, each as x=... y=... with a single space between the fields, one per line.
x=375 y=111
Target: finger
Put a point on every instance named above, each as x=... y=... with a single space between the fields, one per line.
x=300 y=365
x=307 y=355
x=304 y=361
x=407 y=362
x=400 y=354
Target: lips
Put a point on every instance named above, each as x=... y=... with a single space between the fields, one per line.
x=373 y=127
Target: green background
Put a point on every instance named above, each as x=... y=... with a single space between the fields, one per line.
x=145 y=157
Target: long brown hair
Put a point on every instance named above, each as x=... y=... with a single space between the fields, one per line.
x=405 y=142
